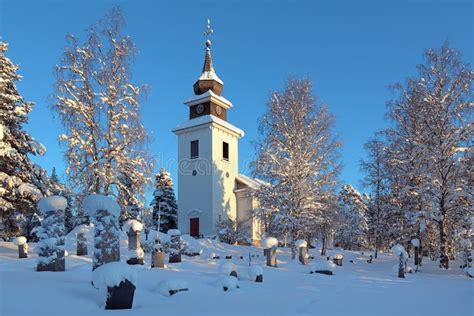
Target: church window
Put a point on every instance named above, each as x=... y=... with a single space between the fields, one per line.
x=195 y=149
x=225 y=151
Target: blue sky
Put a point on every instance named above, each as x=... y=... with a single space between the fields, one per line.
x=352 y=50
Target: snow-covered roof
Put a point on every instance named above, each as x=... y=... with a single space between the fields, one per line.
x=250 y=182
x=208 y=96
x=205 y=120
x=210 y=75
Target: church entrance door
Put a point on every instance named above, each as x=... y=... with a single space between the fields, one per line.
x=194 y=227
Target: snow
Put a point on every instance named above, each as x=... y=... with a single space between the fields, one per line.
x=52 y=203
x=136 y=253
x=227 y=267
x=255 y=271
x=338 y=256
x=174 y=232
x=415 y=242
x=21 y=240
x=192 y=245
x=300 y=243
x=228 y=283
x=204 y=120
x=111 y=274
x=29 y=189
x=164 y=287
x=324 y=266
x=135 y=225
x=470 y=272
x=366 y=289
x=210 y=75
x=398 y=249
x=269 y=242
x=95 y=202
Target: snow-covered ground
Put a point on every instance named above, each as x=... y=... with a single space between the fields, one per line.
x=356 y=288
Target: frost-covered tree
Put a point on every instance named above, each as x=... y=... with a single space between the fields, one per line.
x=165 y=208
x=353 y=209
x=297 y=157
x=438 y=105
x=19 y=192
x=232 y=231
x=99 y=108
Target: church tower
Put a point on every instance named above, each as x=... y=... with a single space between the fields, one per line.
x=207 y=156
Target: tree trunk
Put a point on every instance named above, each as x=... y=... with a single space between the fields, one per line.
x=323 y=246
x=443 y=238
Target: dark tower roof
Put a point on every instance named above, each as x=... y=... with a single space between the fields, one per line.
x=208 y=79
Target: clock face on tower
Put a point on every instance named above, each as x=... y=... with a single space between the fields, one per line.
x=200 y=109
x=218 y=110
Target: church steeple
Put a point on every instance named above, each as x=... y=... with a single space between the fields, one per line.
x=208 y=79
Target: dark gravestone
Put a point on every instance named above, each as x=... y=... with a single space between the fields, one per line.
x=23 y=251
x=271 y=257
x=134 y=247
x=121 y=296
x=175 y=249
x=326 y=272
x=259 y=278
x=173 y=292
x=228 y=257
x=233 y=273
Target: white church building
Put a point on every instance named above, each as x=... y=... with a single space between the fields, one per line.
x=210 y=187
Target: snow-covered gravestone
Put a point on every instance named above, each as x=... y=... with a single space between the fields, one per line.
x=81 y=249
x=117 y=282
x=416 y=245
x=256 y=273
x=157 y=255
x=270 y=245
x=172 y=287
x=302 y=246
x=22 y=247
x=337 y=259
x=324 y=267
x=174 y=246
x=104 y=212
x=228 y=268
x=51 y=234
x=402 y=255
x=133 y=228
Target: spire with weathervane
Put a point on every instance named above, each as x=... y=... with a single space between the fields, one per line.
x=208 y=79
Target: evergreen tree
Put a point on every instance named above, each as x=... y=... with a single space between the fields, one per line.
x=165 y=208
x=19 y=191
x=60 y=189
x=353 y=209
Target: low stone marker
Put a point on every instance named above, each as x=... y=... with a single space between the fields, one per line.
x=270 y=244
x=172 y=287
x=302 y=246
x=22 y=247
x=52 y=234
x=370 y=259
x=416 y=244
x=256 y=273
x=133 y=229
x=338 y=259
x=228 y=268
x=117 y=281
x=157 y=255
x=399 y=251
x=324 y=267
x=174 y=246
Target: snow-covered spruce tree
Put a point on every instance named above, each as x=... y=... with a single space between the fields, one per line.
x=439 y=99
x=353 y=209
x=52 y=234
x=99 y=108
x=297 y=156
x=165 y=208
x=18 y=190
x=104 y=213
x=58 y=188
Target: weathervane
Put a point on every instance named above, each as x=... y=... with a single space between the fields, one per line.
x=208 y=33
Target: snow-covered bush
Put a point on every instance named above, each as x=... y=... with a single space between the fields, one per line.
x=174 y=247
x=104 y=212
x=171 y=287
x=191 y=246
x=51 y=234
x=228 y=268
